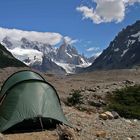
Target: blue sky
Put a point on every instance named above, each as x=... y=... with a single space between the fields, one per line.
x=87 y=21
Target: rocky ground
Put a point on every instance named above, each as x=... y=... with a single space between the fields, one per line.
x=86 y=121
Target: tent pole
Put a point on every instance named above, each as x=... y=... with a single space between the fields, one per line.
x=41 y=123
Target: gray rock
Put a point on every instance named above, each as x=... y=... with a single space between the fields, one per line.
x=115 y=114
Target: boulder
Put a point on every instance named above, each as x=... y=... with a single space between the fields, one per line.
x=103 y=116
x=115 y=114
x=109 y=115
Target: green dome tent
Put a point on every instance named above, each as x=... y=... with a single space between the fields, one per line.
x=25 y=98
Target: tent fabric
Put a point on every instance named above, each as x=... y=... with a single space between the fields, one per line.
x=26 y=95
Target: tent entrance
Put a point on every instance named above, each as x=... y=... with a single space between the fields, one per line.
x=33 y=124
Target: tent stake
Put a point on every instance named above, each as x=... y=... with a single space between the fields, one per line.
x=41 y=123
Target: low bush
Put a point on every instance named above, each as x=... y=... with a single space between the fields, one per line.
x=125 y=101
x=75 y=97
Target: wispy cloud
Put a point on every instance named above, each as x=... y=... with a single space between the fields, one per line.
x=106 y=10
x=92 y=49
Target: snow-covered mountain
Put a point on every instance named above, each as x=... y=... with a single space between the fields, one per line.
x=30 y=48
x=7 y=59
x=123 y=52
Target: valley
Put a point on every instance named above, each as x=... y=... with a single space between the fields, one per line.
x=87 y=122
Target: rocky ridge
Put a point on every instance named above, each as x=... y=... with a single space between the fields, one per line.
x=122 y=53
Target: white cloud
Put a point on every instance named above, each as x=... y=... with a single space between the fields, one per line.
x=68 y=40
x=44 y=37
x=92 y=49
x=106 y=10
x=89 y=13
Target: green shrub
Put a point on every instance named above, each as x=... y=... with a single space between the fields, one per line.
x=75 y=98
x=126 y=101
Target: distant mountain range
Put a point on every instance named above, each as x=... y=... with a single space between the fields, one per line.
x=123 y=52
x=8 y=60
x=45 y=57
